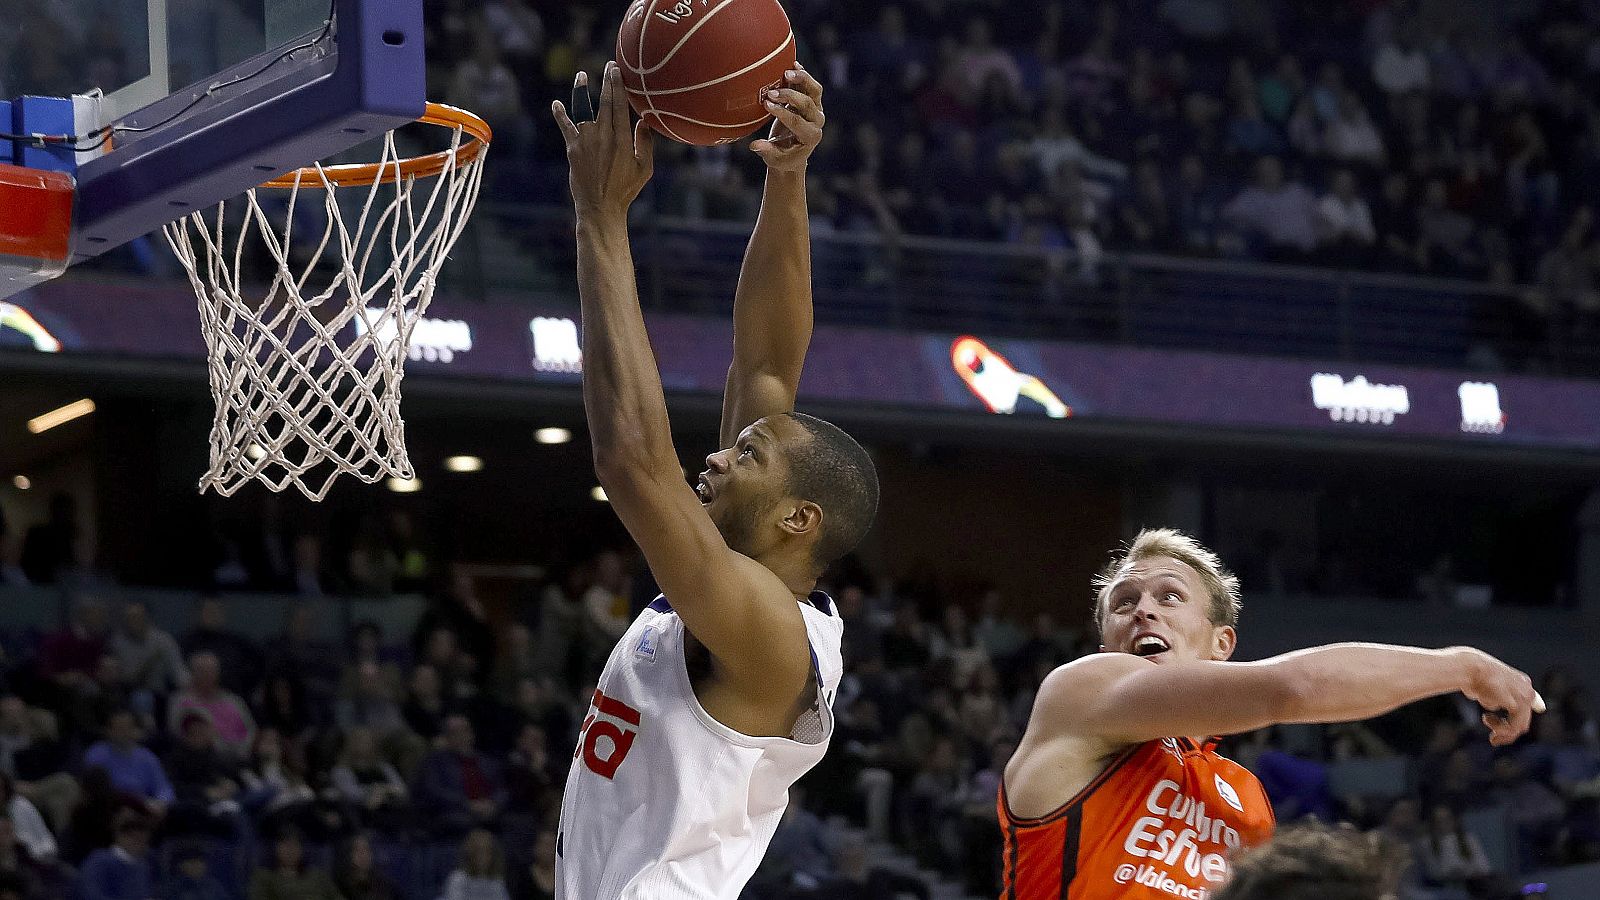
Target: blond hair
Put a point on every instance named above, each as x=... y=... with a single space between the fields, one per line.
x=1221 y=584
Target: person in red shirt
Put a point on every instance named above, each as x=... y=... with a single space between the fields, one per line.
x=1116 y=790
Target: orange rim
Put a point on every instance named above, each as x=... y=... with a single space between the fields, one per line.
x=428 y=166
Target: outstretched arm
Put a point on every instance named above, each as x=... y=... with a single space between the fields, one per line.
x=1121 y=699
x=733 y=605
x=772 y=307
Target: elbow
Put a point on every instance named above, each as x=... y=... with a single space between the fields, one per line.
x=617 y=463
x=1293 y=692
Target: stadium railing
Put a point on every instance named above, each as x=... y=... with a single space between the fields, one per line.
x=935 y=284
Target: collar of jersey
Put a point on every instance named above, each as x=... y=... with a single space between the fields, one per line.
x=818 y=599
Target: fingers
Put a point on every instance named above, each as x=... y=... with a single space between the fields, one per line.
x=808 y=132
x=614 y=102
x=801 y=80
x=644 y=145
x=800 y=103
x=582 y=101
x=569 y=131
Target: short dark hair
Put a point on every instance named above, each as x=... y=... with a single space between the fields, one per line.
x=1315 y=862
x=834 y=472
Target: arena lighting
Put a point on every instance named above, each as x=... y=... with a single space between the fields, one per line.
x=599 y=493
x=464 y=464
x=404 y=485
x=75 y=410
x=21 y=482
x=255 y=452
x=553 y=435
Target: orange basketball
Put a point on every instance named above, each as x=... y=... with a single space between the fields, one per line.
x=695 y=70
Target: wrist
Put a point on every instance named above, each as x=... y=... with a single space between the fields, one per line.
x=1470 y=666
x=601 y=219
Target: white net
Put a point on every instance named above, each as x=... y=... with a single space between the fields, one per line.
x=306 y=371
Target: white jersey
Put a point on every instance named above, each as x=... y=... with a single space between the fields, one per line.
x=663 y=802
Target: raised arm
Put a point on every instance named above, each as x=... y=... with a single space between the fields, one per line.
x=733 y=605
x=1120 y=699
x=772 y=307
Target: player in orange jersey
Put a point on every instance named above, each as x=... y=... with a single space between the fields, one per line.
x=1116 y=791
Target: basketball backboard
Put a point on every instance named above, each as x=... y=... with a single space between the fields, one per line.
x=160 y=107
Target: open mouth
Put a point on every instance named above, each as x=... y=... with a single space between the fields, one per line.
x=703 y=488
x=1149 y=645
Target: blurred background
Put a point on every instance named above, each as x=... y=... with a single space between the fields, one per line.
x=1318 y=282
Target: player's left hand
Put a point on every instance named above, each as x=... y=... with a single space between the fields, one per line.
x=611 y=158
x=797 y=129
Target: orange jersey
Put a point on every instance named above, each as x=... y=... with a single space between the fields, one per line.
x=1159 y=822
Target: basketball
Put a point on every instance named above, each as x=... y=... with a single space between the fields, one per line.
x=695 y=70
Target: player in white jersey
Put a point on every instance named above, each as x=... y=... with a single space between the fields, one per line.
x=719 y=697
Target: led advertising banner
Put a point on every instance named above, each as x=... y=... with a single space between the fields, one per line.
x=953 y=371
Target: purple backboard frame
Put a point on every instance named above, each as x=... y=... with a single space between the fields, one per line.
x=373 y=82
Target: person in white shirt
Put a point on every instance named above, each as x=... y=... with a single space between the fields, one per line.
x=1343 y=217
x=720 y=695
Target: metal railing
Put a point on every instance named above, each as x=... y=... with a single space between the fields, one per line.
x=938 y=284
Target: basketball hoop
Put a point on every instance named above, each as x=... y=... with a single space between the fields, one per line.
x=306 y=379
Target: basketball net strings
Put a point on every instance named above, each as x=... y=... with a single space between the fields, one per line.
x=282 y=411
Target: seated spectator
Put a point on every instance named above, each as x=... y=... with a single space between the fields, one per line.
x=205 y=780
x=536 y=878
x=606 y=603
x=68 y=658
x=193 y=879
x=1345 y=221
x=1197 y=208
x=89 y=824
x=481 y=874
x=1445 y=236
x=425 y=706
x=856 y=880
x=149 y=657
x=1400 y=65
x=1249 y=132
x=368 y=702
x=238 y=658
x=356 y=874
x=518 y=31
x=459 y=787
x=31 y=758
x=287 y=706
x=1351 y=136
x=799 y=855
x=1282 y=213
x=224 y=710
x=979 y=59
x=1146 y=219
x=1451 y=856
x=533 y=787
x=368 y=784
x=19 y=865
x=275 y=788
x=301 y=654
x=133 y=769
x=121 y=871
x=287 y=875
x=482 y=83
x=1534 y=809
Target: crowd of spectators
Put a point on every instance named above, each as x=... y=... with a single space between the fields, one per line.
x=196 y=762
x=1445 y=138
x=1449 y=137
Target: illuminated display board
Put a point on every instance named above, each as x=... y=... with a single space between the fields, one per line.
x=955 y=372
